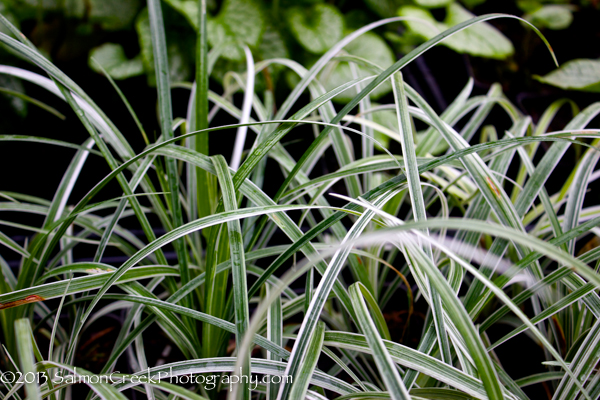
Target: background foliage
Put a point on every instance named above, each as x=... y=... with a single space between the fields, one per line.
x=302 y=30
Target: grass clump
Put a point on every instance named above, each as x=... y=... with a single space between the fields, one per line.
x=302 y=283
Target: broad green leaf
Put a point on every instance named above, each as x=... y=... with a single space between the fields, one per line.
x=387 y=119
x=479 y=40
x=178 y=51
x=239 y=23
x=473 y=3
x=581 y=74
x=31 y=8
x=6 y=13
x=552 y=16
x=316 y=28
x=188 y=8
x=369 y=46
x=112 y=59
x=113 y=14
x=272 y=44
x=385 y=8
x=433 y=3
x=75 y=8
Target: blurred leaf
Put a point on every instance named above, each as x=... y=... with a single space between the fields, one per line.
x=223 y=65
x=316 y=28
x=404 y=43
x=388 y=119
x=29 y=9
x=552 y=17
x=356 y=19
x=11 y=83
x=9 y=16
x=178 y=49
x=385 y=8
x=188 y=8
x=370 y=47
x=113 y=14
x=481 y=39
x=433 y=3
x=142 y=26
x=283 y=4
x=25 y=9
x=472 y=3
x=75 y=8
x=113 y=60
x=529 y=6
x=17 y=104
x=239 y=23
x=272 y=44
x=581 y=74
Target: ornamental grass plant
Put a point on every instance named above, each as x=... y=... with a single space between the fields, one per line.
x=437 y=214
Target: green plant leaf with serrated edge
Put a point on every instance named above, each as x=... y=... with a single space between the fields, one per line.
x=316 y=28
x=112 y=59
x=387 y=119
x=178 y=50
x=112 y=14
x=433 y=3
x=581 y=74
x=479 y=40
x=239 y=23
x=187 y=8
x=551 y=16
x=385 y=8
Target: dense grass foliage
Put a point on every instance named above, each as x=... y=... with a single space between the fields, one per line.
x=440 y=219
